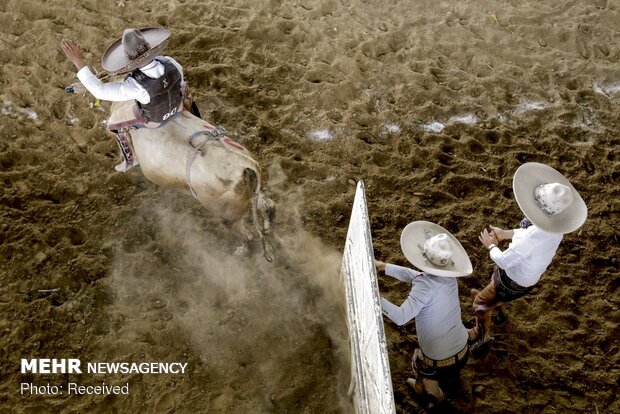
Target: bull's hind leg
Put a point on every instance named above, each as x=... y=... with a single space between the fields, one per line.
x=242 y=197
x=236 y=203
x=244 y=248
x=263 y=215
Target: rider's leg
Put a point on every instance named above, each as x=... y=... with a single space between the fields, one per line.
x=127 y=153
x=484 y=301
x=422 y=384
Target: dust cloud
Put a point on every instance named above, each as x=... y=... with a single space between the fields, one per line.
x=269 y=335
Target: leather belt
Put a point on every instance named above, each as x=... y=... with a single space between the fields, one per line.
x=453 y=360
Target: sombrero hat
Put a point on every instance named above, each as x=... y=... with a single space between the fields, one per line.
x=548 y=199
x=134 y=49
x=434 y=250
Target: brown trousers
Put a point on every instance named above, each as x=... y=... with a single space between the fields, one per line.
x=500 y=290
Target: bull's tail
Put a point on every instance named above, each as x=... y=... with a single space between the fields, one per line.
x=263 y=212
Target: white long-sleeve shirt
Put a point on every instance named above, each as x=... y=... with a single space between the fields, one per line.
x=128 y=89
x=528 y=255
x=434 y=303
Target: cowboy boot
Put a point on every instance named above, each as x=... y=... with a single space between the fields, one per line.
x=129 y=159
x=473 y=333
x=434 y=390
x=427 y=387
x=486 y=326
x=417 y=387
x=481 y=333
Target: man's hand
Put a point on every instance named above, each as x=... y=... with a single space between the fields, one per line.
x=487 y=238
x=73 y=52
x=501 y=234
x=380 y=265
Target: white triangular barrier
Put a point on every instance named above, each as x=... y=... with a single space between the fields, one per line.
x=371 y=382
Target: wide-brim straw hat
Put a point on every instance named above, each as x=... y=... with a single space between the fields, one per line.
x=115 y=60
x=413 y=239
x=530 y=176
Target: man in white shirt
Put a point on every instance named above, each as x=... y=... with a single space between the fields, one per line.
x=155 y=82
x=434 y=303
x=552 y=208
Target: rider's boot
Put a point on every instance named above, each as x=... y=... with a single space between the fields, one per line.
x=129 y=158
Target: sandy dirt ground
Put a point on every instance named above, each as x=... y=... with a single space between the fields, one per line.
x=433 y=104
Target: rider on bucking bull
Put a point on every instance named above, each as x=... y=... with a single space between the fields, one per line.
x=154 y=81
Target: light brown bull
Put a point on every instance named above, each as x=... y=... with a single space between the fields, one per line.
x=190 y=154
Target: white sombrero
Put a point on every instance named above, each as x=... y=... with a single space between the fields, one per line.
x=434 y=250
x=548 y=199
x=134 y=49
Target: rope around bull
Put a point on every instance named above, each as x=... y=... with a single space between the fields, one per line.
x=213 y=135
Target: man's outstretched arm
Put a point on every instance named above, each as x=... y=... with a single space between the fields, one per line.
x=116 y=92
